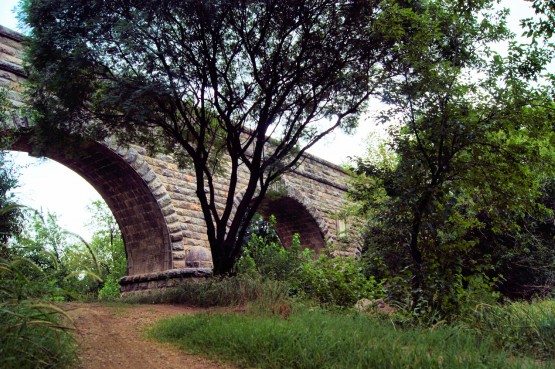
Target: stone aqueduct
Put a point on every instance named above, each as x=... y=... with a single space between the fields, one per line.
x=155 y=204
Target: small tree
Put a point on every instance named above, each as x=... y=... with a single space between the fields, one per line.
x=10 y=212
x=107 y=244
x=51 y=249
x=73 y=264
x=11 y=215
x=106 y=241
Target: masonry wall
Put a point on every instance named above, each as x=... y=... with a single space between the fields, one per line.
x=11 y=72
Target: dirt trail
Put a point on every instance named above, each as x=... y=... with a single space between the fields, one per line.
x=112 y=337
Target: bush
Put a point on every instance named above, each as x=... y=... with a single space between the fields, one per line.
x=110 y=290
x=333 y=281
x=264 y=254
x=338 y=281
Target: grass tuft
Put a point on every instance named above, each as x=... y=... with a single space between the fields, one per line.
x=33 y=333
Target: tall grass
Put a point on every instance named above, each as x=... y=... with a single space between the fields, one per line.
x=313 y=338
x=227 y=291
x=32 y=334
x=525 y=327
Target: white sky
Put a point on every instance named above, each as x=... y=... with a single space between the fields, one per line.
x=48 y=185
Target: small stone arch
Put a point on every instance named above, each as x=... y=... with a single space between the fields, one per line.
x=134 y=194
x=294 y=214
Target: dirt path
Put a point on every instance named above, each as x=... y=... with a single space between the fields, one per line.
x=112 y=337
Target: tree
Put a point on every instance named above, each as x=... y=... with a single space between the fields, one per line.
x=542 y=26
x=524 y=254
x=49 y=248
x=74 y=265
x=471 y=153
x=106 y=241
x=11 y=213
x=221 y=85
x=107 y=244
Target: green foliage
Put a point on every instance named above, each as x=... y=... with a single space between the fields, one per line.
x=4 y=106
x=313 y=338
x=524 y=255
x=33 y=334
x=75 y=266
x=265 y=255
x=524 y=327
x=339 y=281
x=11 y=214
x=471 y=154
x=60 y=255
x=108 y=247
x=110 y=290
x=542 y=26
x=48 y=247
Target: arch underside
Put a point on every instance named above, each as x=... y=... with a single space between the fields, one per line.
x=144 y=231
x=293 y=217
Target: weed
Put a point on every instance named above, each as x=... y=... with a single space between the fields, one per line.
x=226 y=291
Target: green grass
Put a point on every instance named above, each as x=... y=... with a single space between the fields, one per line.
x=33 y=336
x=525 y=327
x=313 y=338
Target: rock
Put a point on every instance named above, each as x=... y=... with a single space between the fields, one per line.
x=364 y=305
x=198 y=256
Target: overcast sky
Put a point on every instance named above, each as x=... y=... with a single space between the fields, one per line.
x=48 y=185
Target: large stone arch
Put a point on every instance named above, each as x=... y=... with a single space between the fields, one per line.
x=134 y=194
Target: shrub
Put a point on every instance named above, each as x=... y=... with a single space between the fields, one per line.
x=338 y=281
x=333 y=281
x=110 y=290
x=264 y=254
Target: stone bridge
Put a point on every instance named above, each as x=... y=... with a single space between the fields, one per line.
x=155 y=204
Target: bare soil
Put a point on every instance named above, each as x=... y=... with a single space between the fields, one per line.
x=112 y=336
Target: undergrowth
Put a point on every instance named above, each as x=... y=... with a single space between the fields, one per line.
x=224 y=291
x=524 y=327
x=33 y=333
x=315 y=338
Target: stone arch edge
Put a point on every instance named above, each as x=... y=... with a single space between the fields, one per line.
x=139 y=283
x=296 y=195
